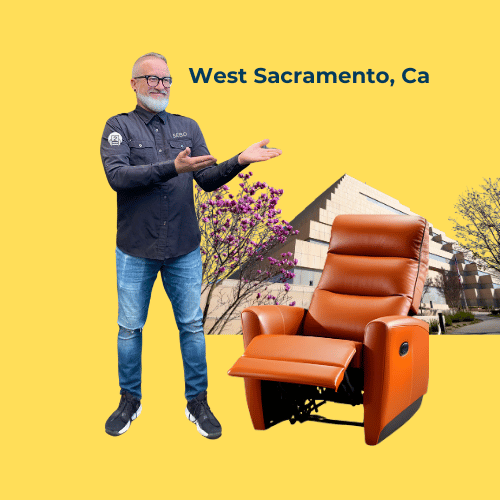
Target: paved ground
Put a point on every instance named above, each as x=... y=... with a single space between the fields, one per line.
x=488 y=326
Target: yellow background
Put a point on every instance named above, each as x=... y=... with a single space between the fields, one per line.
x=65 y=71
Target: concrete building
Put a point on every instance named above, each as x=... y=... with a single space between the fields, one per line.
x=350 y=196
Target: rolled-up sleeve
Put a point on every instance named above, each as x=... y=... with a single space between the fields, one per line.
x=116 y=161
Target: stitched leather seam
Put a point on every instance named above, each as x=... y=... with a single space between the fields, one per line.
x=331 y=364
x=403 y=325
x=367 y=296
x=282 y=319
x=419 y=262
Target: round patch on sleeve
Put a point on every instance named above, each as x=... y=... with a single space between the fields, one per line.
x=115 y=139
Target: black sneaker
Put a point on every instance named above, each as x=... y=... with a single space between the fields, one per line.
x=198 y=411
x=128 y=409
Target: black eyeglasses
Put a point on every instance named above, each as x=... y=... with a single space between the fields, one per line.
x=153 y=81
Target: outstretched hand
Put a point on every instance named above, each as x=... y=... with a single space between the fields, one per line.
x=258 y=152
x=184 y=163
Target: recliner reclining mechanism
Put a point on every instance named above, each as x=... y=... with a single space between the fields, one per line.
x=357 y=343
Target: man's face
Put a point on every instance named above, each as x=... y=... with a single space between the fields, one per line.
x=153 y=99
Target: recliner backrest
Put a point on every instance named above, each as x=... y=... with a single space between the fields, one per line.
x=376 y=266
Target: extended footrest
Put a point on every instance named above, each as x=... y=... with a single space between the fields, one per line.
x=296 y=359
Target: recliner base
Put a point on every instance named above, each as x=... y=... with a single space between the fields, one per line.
x=400 y=420
x=298 y=403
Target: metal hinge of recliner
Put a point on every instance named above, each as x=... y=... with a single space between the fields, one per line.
x=302 y=407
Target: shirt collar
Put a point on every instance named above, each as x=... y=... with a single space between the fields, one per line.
x=147 y=116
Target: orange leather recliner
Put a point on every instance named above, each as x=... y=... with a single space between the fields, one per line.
x=357 y=343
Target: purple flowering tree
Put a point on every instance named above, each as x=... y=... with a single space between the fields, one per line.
x=238 y=234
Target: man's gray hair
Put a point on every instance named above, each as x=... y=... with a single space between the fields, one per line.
x=149 y=54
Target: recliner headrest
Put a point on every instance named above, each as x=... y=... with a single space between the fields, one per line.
x=378 y=235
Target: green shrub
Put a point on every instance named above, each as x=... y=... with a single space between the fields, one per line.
x=463 y=316
x=448 y=319
x=433 y=326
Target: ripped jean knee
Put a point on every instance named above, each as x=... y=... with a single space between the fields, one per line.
x=128 y=333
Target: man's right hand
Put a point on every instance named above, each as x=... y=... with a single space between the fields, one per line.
x=184 y=163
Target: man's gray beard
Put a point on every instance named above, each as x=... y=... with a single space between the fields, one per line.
x=153 y=104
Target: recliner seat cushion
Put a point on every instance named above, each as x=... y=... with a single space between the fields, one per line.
x=346 y=316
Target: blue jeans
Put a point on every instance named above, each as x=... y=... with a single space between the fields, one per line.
x=181 y=278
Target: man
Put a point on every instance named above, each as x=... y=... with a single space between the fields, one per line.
x=151 y=158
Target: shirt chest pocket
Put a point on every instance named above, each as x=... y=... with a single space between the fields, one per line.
x=141 y=152
x=178 y=145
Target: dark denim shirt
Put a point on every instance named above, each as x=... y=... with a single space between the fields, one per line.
x=156 y=214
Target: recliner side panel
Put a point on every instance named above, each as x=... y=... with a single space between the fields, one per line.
x=253 y=394
x=394 y=378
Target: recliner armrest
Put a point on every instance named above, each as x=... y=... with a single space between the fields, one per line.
x=397 y=321
x=276 y=320
x=396 y=370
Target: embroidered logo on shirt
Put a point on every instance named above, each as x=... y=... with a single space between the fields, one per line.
x=180 y=134
x=115 y=139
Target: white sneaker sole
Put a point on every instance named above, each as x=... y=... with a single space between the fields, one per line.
x=133 y=417
x=191 y=418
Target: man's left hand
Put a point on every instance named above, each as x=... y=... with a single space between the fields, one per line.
x=257 y=152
